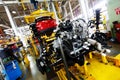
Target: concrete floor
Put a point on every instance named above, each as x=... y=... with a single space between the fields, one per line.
x=34 y=74
x=115 y=50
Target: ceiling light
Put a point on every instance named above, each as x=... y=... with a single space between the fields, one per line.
x=22 y=20
x=14 y=12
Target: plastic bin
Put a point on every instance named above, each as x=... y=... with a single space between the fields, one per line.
x=13 y=70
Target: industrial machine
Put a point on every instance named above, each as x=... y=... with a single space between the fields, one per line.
x=62 y=46
x=99 y=36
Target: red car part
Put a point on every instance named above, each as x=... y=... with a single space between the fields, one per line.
x=117 y=28
x=44 y=25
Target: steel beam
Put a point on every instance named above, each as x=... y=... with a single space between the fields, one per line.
x=4 y=26
x=71 y=11
x=54 y=10
x=11 y=20
x=84 y=8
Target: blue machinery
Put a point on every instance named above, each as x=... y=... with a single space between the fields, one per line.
x=10 y=70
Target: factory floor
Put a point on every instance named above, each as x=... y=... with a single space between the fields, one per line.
x=115 y=50
x=32 y=72
x=98 y=70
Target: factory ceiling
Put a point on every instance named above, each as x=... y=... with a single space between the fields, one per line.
x=17 y=10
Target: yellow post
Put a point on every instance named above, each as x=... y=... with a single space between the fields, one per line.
x=23 y=52
x=25 y=57
x=77 y=66
x=58 y=75
x=34 y=47
x=63 y=75
x=23 y=5
x=58 y=10
x=117 y=60
x=26 y=61
x=90 y=55
x=85 y=68
x=104 y=59
x=46 y=5
x=30 y=50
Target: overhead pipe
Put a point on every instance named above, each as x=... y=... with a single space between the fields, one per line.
x=4 y=26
